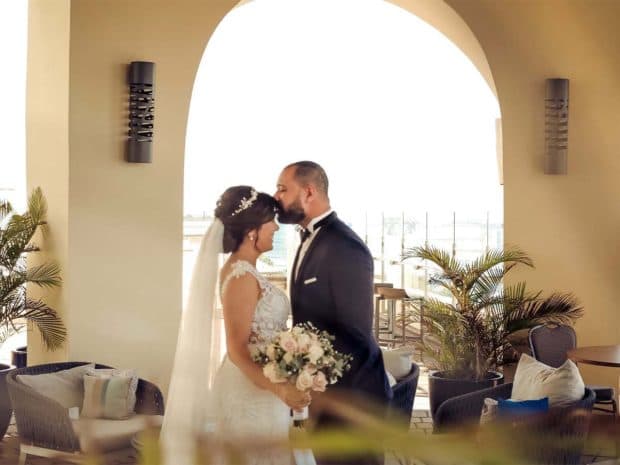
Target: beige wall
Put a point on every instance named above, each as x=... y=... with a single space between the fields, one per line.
x=117 y=227
x=569 y=224
x=47 y=108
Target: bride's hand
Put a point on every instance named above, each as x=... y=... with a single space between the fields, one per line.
x=292 y=396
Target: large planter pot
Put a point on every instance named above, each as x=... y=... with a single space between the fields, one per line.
x=19 y=357
x=441 y=388
x=5 y=402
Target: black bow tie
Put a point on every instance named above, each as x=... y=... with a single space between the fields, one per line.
x=305 y=233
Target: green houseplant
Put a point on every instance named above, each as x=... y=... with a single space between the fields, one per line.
x=16 y=307
x=472 y=316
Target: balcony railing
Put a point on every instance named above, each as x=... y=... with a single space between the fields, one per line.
x=387 y=235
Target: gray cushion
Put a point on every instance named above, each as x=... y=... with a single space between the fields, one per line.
x=65 y=387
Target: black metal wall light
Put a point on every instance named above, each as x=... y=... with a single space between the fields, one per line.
x=141 y=78
x=556 y=126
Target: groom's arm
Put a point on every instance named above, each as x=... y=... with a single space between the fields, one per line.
x=351 y=286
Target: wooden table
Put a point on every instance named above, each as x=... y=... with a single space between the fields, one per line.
x=605 y=356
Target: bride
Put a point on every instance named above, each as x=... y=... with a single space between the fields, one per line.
x=234 y=401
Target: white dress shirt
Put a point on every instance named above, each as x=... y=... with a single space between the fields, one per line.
x=307 y=242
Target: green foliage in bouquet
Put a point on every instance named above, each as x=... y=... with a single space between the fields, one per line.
x=16 y=233
x=469 y=329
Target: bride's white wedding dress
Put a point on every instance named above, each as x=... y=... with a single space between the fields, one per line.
x=243 y=410
x=208 y=397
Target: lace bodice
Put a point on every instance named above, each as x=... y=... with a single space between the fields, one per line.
x=273 y=307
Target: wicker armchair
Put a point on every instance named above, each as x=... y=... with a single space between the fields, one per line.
x=404 y=390
x=557 y=437
x=44 y=425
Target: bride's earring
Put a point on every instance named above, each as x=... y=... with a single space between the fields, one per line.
x=251 y=236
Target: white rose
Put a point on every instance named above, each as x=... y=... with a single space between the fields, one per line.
x=314 y=353
x=304 y=380
x=304 y=341
x=288 y=357
x=254 y=351
x=271 y=351
x=271 y=373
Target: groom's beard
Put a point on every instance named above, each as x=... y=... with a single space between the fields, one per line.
x=293 y=215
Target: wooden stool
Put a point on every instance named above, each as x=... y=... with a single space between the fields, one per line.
x=377 y=325
x=396 y=299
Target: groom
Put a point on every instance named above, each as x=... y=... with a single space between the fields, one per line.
x=332 y=284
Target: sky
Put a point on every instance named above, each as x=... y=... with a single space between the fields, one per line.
x=395 y=112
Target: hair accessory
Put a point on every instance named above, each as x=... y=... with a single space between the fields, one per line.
x=244 y=203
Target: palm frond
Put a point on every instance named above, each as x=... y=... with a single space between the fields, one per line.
x=7 y=331
x=11 y=283
x=488 y=284
x=492 y=259
x=496 y=257
x=45 y=275
x=5 y=209
x=443 y=259
x=37 y=206
x=16 y=233
x=556 y=309
x=50 y=326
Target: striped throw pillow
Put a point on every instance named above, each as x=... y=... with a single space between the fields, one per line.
x=107 y=397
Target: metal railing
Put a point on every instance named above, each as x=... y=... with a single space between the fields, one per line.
x=388 y=237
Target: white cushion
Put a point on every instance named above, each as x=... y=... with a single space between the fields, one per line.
x=391 y=378
x=65 y=387
x=535 y=380
x=100 y=435
x=489 y=411
x=397 y=361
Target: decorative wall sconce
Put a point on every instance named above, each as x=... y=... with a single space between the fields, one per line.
x=556 y=126
x=141 y=111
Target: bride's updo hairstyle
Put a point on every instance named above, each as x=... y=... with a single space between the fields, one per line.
x=242 y=209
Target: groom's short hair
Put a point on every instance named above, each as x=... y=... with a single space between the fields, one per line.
x=307 y=172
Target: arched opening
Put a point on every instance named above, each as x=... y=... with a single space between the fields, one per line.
x=13 y=50
x=402 y=120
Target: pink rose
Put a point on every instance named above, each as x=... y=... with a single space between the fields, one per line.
x=304 y=380
x=319 y=382
x=287 y=342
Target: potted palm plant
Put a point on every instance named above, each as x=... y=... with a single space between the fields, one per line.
x=16 y=307
x=473 y=314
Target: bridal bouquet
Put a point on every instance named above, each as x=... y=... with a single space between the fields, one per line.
x=303 y=356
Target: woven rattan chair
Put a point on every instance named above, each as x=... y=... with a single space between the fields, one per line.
x=549 y=345
x=404 y=390
x=556 y=437
x=44 y=426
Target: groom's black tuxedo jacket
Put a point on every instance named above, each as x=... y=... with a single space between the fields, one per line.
x=334 y=291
